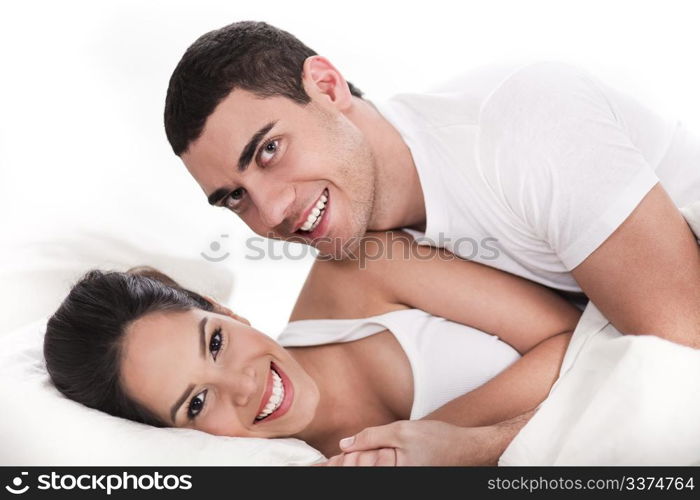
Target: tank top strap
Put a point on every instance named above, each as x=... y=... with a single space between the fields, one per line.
x=308 y=332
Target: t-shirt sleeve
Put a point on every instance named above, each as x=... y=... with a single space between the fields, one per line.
x=558 y=159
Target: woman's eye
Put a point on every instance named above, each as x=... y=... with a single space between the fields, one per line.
x=216 y=342
x=196 y=405
x=234 y=198
x=268 y=152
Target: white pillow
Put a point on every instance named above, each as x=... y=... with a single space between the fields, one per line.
x=37 y=273
x=39 y=426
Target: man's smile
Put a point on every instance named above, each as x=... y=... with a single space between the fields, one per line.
x=313 y=221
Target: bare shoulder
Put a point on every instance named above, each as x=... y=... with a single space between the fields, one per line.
x=353 y=287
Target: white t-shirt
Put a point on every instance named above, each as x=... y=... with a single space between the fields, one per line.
x=530 y=168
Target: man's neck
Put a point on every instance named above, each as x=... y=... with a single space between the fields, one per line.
x=398 y=193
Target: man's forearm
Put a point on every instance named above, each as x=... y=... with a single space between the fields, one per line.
x=493 y=440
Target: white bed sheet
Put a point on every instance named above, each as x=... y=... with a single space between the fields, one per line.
x=619 y=400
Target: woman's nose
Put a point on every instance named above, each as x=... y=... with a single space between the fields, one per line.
x=242 y=387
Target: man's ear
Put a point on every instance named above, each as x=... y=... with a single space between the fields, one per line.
x=321 y=79
x=221 y=309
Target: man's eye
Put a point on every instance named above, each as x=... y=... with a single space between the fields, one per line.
x=234 y=198
x=268 y=152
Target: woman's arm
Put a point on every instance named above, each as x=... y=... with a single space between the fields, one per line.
x=483 y=421
x=391 y=272
x=519 y=388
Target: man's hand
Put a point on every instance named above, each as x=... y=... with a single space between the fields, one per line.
x=428 y=442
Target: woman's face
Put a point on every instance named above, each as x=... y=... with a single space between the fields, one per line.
x=214 y=373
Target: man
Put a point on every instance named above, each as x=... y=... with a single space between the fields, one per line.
x=540 y=170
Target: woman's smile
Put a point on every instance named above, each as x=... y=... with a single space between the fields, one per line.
x=277 y=397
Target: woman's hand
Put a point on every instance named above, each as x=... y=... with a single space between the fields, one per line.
x=416 y=442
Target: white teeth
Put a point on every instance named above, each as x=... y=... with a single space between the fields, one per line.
x=276 y=397
x=313 y=226
x=314 y=217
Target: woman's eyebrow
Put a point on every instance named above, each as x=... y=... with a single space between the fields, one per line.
x=190 y=388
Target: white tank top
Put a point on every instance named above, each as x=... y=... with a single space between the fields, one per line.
x=447 y=359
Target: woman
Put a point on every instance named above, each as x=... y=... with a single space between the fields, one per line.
x=366 y=346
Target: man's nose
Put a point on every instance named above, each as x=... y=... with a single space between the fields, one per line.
x=273 y=201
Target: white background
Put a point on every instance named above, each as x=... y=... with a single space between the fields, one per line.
x=83 y=84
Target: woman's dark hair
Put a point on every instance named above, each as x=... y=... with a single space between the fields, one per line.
x=83 y=341
x=253 y=56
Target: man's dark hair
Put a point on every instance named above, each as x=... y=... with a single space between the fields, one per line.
x=253 y=56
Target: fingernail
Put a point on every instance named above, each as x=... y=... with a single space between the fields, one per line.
x=345 y=442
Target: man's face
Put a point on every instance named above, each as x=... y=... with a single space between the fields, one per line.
x=291 y=172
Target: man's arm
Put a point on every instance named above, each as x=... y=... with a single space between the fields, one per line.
x=497 y=437
x=645 y=278
x=393 y=270
x=428 y=442
x=563 y=161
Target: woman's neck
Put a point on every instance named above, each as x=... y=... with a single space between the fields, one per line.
x=349 y=399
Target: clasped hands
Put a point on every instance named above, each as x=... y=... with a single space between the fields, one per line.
x=415 y=442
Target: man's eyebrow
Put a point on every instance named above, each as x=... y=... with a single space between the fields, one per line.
x=244 y=160
x=187 y=392
x=249 y=149
x=217 y=195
